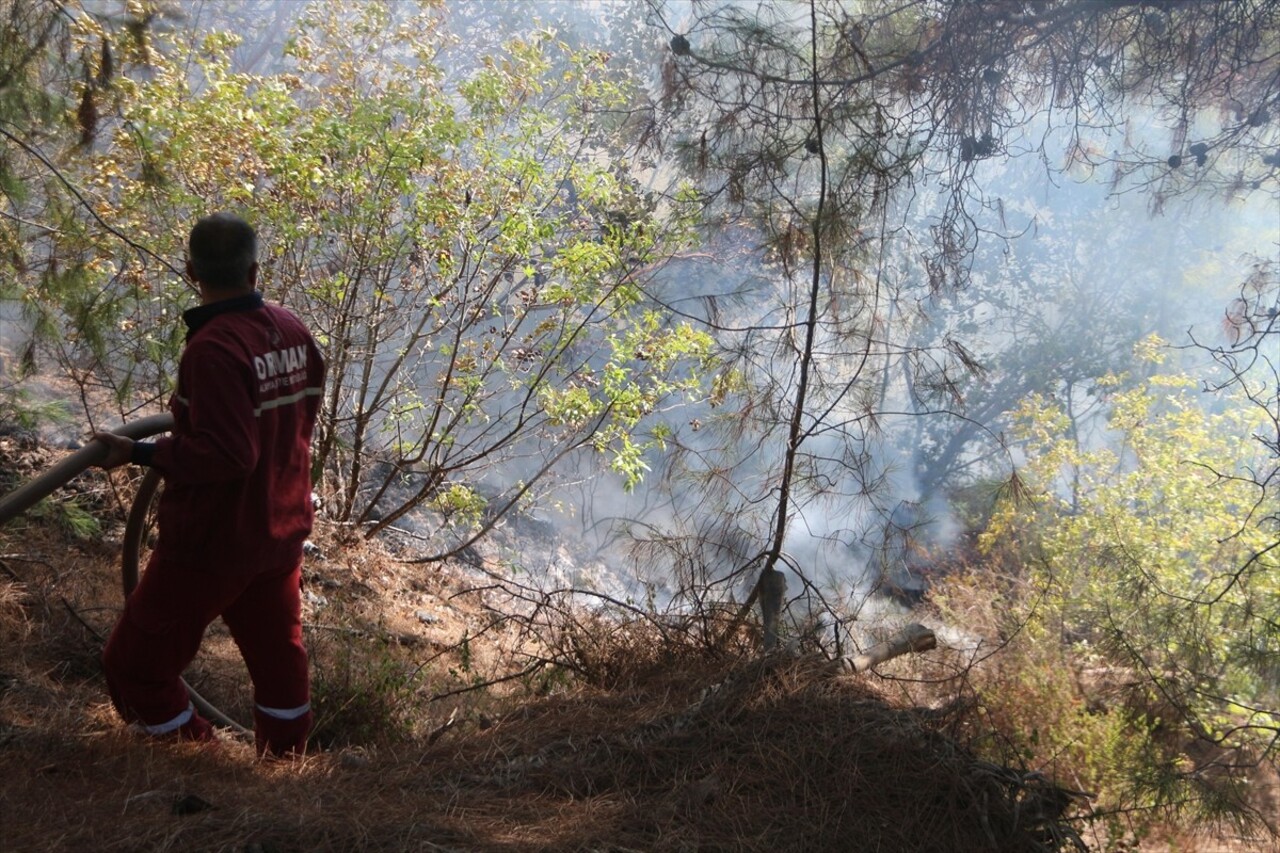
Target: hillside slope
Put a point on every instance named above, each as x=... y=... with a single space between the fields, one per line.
x=442 y=726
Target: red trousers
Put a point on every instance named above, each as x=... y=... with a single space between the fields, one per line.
x=164 y=621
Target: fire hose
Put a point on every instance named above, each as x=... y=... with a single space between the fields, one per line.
x=19 y=501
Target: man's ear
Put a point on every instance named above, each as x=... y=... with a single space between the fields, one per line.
x=191 y=271
x=253 y=276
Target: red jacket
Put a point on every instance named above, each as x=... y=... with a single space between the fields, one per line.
x=237 y=467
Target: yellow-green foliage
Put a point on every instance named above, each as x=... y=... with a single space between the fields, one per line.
x=467 y=246
x=1145 y=607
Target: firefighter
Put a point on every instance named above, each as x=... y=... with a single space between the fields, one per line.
x=236 y=506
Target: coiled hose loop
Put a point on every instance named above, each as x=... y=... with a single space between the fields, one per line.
x=25 y=497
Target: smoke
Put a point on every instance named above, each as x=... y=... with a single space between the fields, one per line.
x=1071 y=275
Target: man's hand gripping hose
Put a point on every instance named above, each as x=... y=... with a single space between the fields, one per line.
x=94 y=452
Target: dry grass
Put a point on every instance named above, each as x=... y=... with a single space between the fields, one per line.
x=778 y=756
x=715 y=755
x=640 y=741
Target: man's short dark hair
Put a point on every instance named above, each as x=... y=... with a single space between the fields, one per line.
x=223 y=248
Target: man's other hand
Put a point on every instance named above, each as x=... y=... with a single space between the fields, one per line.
x=119 y=449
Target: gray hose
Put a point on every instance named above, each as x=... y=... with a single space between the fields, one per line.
x=18 y=502
x=136 y=528
x=21 y=500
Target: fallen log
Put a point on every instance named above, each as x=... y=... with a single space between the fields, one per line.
x=913 y=638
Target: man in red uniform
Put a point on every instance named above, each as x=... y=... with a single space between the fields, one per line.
x=235 y=509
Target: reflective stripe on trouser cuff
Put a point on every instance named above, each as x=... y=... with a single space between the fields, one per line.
x=172 y=725
x=286 y=713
